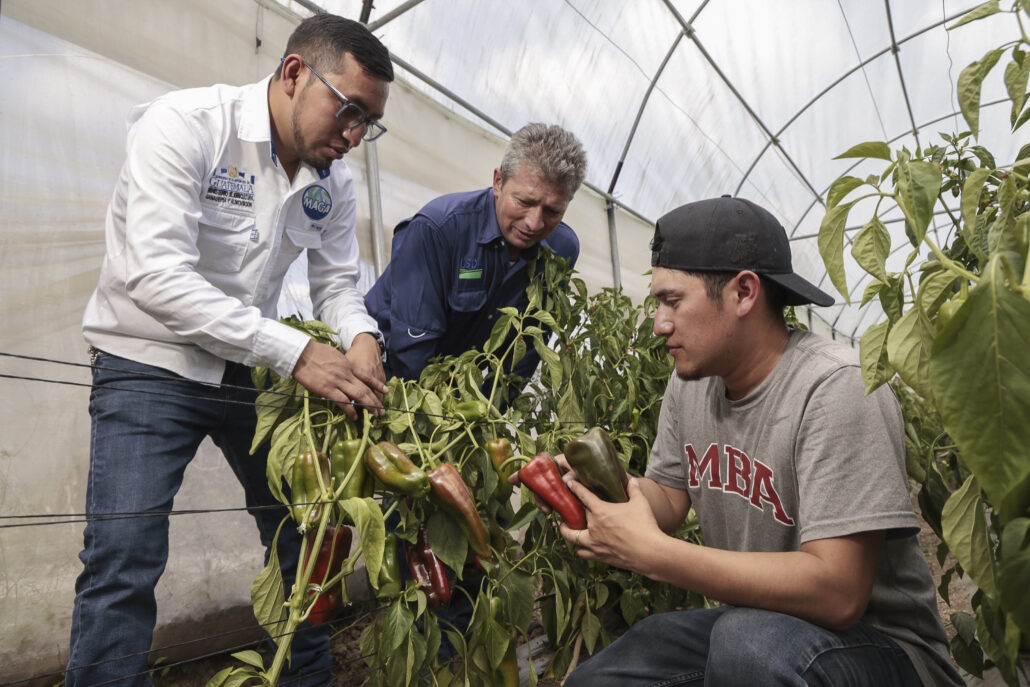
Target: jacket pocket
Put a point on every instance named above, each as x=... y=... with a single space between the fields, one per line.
x=223 y=240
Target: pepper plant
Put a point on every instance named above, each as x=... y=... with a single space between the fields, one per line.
x=427 y=483
x=956 y=335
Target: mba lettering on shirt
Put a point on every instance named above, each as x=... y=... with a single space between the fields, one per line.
x=740 y=475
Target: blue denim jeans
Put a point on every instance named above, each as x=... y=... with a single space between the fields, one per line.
x=147 y=424
x=745 y=647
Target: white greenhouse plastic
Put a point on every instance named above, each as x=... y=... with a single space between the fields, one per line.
x=674 y=100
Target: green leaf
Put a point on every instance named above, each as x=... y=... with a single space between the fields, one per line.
x=1003 y=235
x=396 y=625
x=219 y=678
x=1016 y=73
x=368 y=519
x=569 y=409
x=498 y=333
x=979 y=12
x=286 y=441
x=1014 y=572
x=980 y=372
x=447 y=540
x=266 y=593
x=495 y=640
x=239 y=677
x=964 y=647
x=840 y=188
x=518 y=594
x=991 y=631
x=871 y=247
x=876 y=370
x=933 y=287
x=964 y=525
x=919 y=183
x=908 y=350
x=250 y=657
x=631 y=607
x=591 y=628
x=552 y=360
x=831 y=246
x=875 y=149
x=970 y=81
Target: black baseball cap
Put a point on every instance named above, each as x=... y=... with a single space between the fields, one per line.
x=729 y=235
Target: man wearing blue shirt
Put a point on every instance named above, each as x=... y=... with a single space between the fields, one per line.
x=465 y=255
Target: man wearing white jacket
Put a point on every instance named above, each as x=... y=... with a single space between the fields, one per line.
x=221 y=190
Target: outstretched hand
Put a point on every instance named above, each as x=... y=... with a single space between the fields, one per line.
x=619 y=534
x=323 y=370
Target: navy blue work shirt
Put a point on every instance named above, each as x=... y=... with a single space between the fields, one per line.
x=448 y=276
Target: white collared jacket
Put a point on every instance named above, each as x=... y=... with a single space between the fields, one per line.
x=201 y=229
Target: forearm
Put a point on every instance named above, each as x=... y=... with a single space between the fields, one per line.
x=670 y=508
x=798 y=583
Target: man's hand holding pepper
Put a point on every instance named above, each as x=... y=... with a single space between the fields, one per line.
x=567 y=473
x=623 y=535
x=345 y=379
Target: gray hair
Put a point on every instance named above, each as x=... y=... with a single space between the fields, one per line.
x=550 y=149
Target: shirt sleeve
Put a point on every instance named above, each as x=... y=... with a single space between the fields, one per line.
x=333 y=271
x=418 y=297
x=666 y=463
x=167 y=160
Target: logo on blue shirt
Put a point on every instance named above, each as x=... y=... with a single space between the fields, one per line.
x=317 y=202
x=470 y=268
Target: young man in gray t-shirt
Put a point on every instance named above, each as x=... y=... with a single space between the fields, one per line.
x=797 y=478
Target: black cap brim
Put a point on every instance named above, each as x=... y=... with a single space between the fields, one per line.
x=799 y=291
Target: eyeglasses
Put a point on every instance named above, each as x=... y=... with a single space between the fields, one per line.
x=351 y=115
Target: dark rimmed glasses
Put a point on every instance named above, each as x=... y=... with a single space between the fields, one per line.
x=351 y=115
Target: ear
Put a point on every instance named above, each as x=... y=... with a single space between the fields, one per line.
x=497 y=181
x=747 y=292
x=292 y=67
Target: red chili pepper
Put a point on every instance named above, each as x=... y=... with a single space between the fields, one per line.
x=428 y=571
x=454 y=494
x=543 y=479
x=336 y=543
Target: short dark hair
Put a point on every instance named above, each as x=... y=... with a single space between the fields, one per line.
x=715 y=281
x=323 y=39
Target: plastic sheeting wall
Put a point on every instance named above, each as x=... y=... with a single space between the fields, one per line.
x=72 y=71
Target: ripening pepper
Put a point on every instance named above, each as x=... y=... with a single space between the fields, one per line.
x=390 y=571
x=948 y=309
x=597 y=465
x=541 y=476
x=428 y=571
x=394 y=469
x=343 y=455
x=500 y=451
x=305 y=492
x=336 y=543
x=452 y=492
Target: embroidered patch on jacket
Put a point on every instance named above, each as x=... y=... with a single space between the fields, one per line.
x=470 y=268
x=317 y=202
x=231 y=186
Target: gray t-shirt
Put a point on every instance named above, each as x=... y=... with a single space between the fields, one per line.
x=805 y=456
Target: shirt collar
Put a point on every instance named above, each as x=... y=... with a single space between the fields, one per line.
x=490 y=230
x=256 y=123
